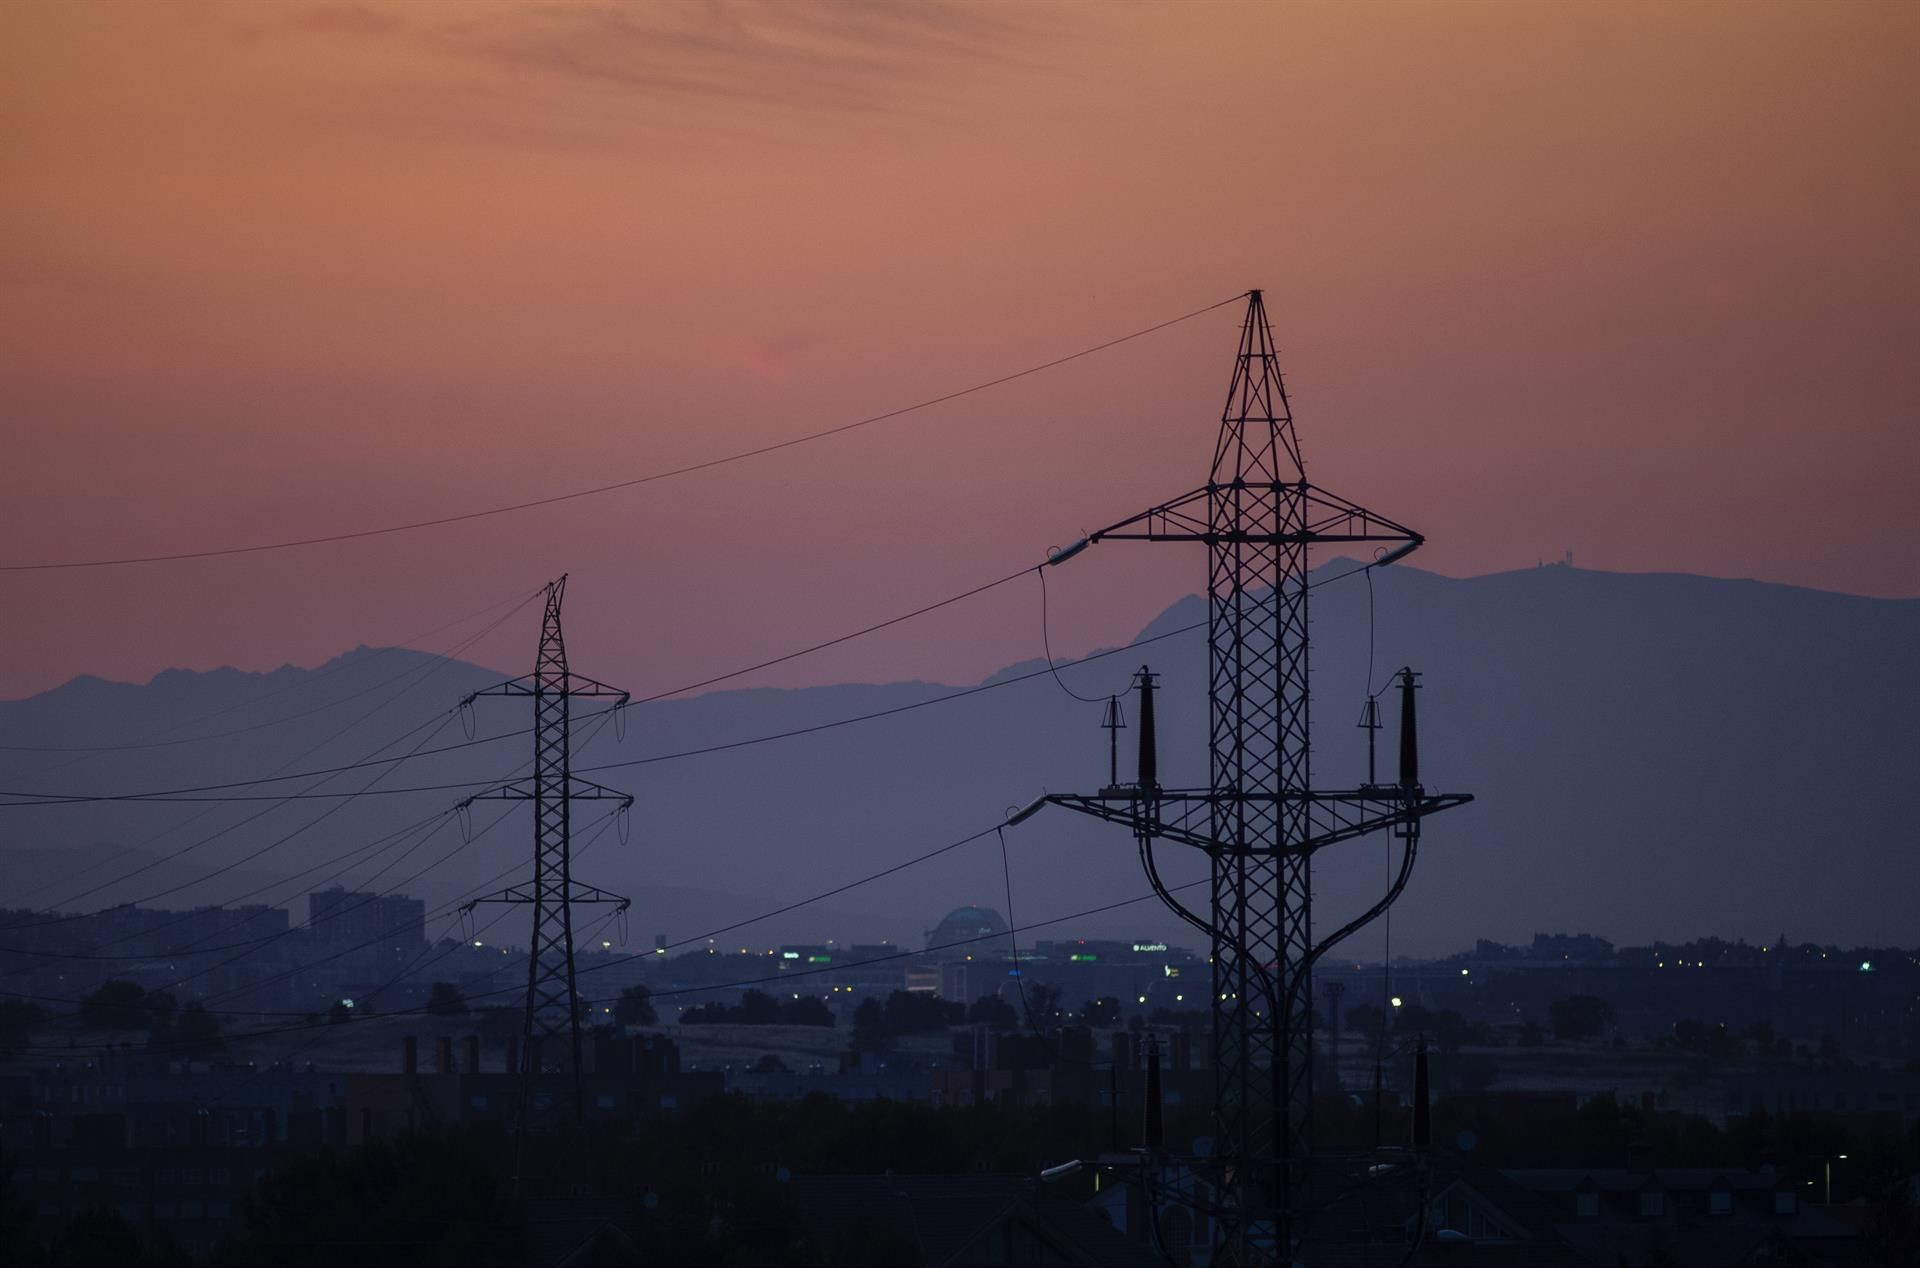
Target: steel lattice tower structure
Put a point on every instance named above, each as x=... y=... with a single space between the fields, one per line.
x=552 y=1005
x=1258 y=516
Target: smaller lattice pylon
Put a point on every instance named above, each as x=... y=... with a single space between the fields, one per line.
x=552 y=1013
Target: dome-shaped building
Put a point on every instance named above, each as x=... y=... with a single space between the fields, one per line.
x=963 y=925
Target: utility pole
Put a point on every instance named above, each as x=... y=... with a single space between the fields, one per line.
x=1261 y=820
x=552 y=1011
x=1335 y=991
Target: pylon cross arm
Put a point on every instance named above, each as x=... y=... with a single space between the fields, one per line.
x=1329 y=518
x=576 y=893
x=1343 y=815
x=577 y=790
x=537 y=683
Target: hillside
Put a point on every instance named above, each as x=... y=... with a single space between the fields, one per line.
x=1652 y=755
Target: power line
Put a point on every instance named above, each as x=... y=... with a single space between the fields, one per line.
x=178 y=794
x=843 y=638
x=442 y=819
x=311 y=678
x=314 y=822
x=865 y=717
x=944 y=698
x=381 y=936
x=450 y=904
x=897 y=955
x=438 y=820
x=421 y=673
x=33 y=798
x=787 y=975
x=181 y=794
x=599 y=829
x=359 y=854
x=438 y=953
x=1046 y=645
x=329 y=1030
x=823 y=894
x=960 y=694
x=738 y=456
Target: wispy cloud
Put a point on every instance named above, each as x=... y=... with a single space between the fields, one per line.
x=614 y=67
x=844 y=56
x=343 y=19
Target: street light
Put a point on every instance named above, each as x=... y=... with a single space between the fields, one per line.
x=1826 y=1166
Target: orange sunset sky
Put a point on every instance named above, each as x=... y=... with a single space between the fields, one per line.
x=1638 y=280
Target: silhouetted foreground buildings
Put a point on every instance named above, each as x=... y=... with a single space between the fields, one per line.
x=1703 y=1104
x=176 y=1150
x=179 y=1155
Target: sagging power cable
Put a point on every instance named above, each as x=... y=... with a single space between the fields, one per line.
x=633 y=482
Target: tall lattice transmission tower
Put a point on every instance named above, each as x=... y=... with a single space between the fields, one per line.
x=1260 y=821
x=550 y=1027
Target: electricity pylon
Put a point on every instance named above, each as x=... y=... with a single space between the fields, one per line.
x=552 y=1006
x=1263 y=820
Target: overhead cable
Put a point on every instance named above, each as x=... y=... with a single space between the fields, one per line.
x=946 y=697
x=649 y=478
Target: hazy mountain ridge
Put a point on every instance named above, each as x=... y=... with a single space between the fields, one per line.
x=1654 y=755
